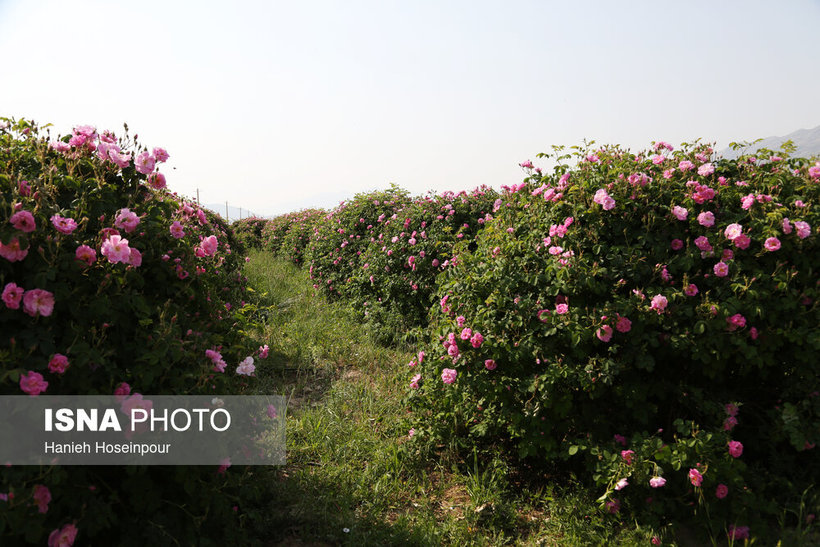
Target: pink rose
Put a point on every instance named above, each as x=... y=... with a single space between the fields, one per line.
x=787 y=227
x=561 y=309
x=703 y=244
x=691 y=290
x=263 y=351
x=63 y=224
x=707 y=219
x=706 y=169
x=12 y=251
x=466 y=334
x=33 y=383
x=679 y=212
x=803 y=229
x=246 y=367
x=122 y=391
x=135 y=258
x=735 y=448
x=657 y=482
x=58 y=363
x=160 y=155
x=772 y=244
x=721 y=491
x=604 y=333
x=144 y=163
x=477 y=340
x=209 y=245
x=742 y=241
x=729 y=423
x=86 y=254
x=628 y=456
x=38 y=302
x=490 y=364
x=677 y=244
x=127 y=220
x=12 y=295
x=23 y=221
x=414 y=381
x=448 y=375
x=732 y=231
x=623 y=324
x=116 y=249
x=176 y=230
x=721 y=269
x=737 y=321
x=695 y=477
x=41 y=496
x=686 y=165
x=659 y=303
x=157 y=181
x=64 y=537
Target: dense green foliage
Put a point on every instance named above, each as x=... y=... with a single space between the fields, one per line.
x=642 y=316
x=111 y=283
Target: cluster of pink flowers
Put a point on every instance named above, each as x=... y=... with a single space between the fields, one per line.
x=603 y=198
x=36 y=302
x=216 y=359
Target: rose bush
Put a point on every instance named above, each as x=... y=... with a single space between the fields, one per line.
x=610 y=313
x=248 y=232
x=110 y=284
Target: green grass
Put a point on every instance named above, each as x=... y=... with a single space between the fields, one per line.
x=349 y=481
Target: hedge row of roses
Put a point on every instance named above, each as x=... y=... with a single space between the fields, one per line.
x=110 y=285
x=381 y=251
x=649 y=320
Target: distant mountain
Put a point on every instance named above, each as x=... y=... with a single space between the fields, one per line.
x=806 y=140
x=234 y=213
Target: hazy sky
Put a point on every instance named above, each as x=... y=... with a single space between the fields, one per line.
x=275 y=106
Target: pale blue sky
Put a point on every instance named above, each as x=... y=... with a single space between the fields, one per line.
x=274 y=105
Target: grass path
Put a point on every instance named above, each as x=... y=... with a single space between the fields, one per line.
x=347 y=479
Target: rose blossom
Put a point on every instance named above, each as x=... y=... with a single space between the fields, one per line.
x=657 y=482
x=23 y=221
x=12 y=251
x=659 y=303
x=735 y=448
x=127 y=220
x=33 y=383
x=490 y=364
x=38 y=302
x=58 y=363
x=623 y=324
x=63 y=225
x=448 y=375
x=707 y=218
x=41 y=496
x=86 y=254
x=604 y=333
x=63 y=537
x=695 y=477
x=742 y=241
x=721 y=491
x=12 y=295
x=772 y=244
